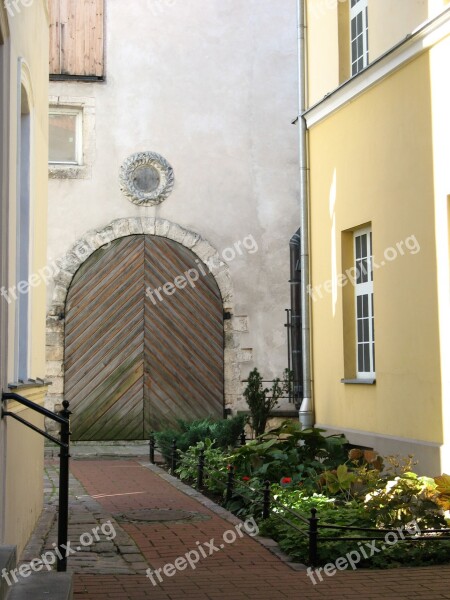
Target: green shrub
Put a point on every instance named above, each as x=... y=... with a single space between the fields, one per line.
x=224 y=432
x=352 y=513
x=262 y=400
x=288 y=451
x=404 y=498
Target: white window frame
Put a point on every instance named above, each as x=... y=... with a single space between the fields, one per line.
x=364 y=290
x=78 y=112
x=360 y=7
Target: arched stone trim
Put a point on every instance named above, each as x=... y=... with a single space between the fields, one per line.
x=67 y=266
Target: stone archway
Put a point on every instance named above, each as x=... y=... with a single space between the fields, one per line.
x=82 y=249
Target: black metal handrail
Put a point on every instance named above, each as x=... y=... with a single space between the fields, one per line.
x=63 y=418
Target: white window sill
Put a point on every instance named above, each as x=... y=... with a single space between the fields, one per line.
x=68 y=171
x=369 y=381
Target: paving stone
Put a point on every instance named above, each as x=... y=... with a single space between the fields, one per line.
x=244 y=570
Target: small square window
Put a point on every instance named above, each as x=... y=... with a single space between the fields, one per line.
x=65 y=132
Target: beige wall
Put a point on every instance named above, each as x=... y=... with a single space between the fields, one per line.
x=212 y=87
x=383 y=177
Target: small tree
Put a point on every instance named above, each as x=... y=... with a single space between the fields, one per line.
x=261 y=400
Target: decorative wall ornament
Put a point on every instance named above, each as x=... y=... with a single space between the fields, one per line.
x=146 y=178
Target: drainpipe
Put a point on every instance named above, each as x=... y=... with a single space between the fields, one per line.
x=306 y=413
x=296 y=321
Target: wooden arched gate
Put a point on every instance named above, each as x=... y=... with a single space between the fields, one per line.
x=134 y=362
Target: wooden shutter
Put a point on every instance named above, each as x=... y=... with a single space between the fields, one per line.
x=76 y=38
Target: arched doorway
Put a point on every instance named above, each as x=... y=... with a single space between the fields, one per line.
x=136 y=361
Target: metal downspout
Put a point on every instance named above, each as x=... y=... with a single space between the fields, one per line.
x=306 y=413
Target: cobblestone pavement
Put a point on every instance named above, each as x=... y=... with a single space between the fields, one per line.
x=161 y=520
x=92 y=555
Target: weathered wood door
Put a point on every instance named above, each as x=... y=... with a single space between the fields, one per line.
x=135 y=364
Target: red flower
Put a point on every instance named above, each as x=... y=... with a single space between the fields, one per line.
x=246 y=478
x=286 y=480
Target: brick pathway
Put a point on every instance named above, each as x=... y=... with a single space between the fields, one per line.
x=241 y=570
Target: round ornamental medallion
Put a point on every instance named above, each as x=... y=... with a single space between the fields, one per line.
x=146 y=178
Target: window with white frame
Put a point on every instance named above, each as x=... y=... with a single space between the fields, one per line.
x=364 y=310
x=65 y=136
x=359 y=34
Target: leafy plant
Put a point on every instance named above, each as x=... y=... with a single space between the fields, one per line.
x=288 y=451
x=443 y=490
x=214 y=478
x=332 y=511
x=224 y=432
x=358 y=476
x=340 y=480
x=406 y=498
x=262 y=400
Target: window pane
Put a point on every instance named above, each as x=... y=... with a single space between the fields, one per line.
x=366 y=358
x=360 y=358
x=62 y=138
x=360 y=49
x=359 y=23
x=358 y=246
x=363 y=266
x=366 y=330
x=365 y=310
x=364 y=245
x=360 y=330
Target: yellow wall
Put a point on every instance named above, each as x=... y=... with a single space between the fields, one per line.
x=328 y=37
x=24 y=473
x=391 y=20
x=323 y=55
x=439 y=60
x=28 y=39
x=21 y=450
x=372 y=162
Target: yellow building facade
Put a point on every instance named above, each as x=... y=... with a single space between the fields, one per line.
x=378 y=142
x=23 y=177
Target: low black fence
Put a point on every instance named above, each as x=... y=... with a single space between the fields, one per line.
x=268 y=506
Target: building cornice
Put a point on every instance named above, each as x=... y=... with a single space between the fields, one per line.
x=426 y=36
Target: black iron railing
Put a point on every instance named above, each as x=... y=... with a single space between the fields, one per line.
x=63 y=418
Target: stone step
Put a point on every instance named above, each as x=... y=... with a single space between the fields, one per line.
x=48 y=585
x=8 y=562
